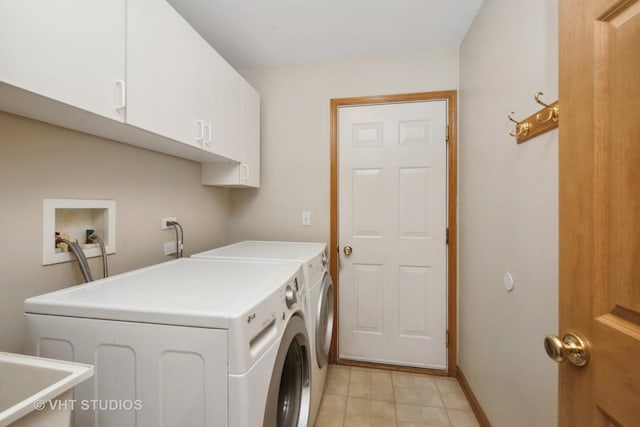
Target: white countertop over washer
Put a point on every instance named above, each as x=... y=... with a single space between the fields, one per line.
x=184 y=292
x=273 y=250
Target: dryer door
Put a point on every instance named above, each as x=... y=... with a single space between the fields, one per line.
x=324 y=320
x=289 y=395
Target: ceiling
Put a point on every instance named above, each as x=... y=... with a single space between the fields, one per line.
x=267 y=33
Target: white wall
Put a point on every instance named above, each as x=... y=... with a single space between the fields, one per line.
x=295 y=135
x=39 y=161
x=508 y=213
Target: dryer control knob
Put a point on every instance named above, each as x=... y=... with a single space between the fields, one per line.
x=290 y=296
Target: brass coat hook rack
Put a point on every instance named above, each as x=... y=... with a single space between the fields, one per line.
x=538 y=123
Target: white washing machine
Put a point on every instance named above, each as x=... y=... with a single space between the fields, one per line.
x=190 y=342
x=314 y=259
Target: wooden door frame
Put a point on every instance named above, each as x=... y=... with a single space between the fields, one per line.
x=452 y=197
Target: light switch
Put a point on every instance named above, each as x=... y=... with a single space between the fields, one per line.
x=306 y=218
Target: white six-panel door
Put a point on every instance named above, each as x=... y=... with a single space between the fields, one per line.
x=393 y=214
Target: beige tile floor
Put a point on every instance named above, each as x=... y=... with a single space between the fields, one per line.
x=355 y=397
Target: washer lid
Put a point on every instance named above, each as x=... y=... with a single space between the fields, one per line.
x=258 y=249
x=184 y=292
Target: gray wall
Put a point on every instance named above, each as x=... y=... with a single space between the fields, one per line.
x=40 y=161
x=508 y=213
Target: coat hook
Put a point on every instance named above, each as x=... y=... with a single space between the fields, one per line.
x=537 y=98
x=522 y=128
x=553 y=111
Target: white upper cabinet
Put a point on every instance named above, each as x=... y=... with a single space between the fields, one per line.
x=245 y=173
x=67 y=50
x=221 y=105
x=132 y=71
x=164 y=72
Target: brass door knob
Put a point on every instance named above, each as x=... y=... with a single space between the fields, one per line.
x=347 y=250
x=571 y=346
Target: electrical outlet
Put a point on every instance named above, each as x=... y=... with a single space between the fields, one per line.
x=170 y=248
x=164 y=225
x=306 y=218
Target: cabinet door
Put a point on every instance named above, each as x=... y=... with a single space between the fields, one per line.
x=68 y=50
x=221 y=105
x=164 y=72
x=246 y=173
x=250 y=167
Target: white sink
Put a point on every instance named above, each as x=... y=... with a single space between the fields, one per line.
x=36 y=392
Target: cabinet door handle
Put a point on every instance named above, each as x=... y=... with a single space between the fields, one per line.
x=208 y=129
x=245 y=175
x=123 y=94
x=200 y=136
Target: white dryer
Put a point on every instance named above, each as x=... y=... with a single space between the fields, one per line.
x=190 y=342
x=314 y=259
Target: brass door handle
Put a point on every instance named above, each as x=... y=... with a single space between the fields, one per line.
x=571 y=346
x=347 y=250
